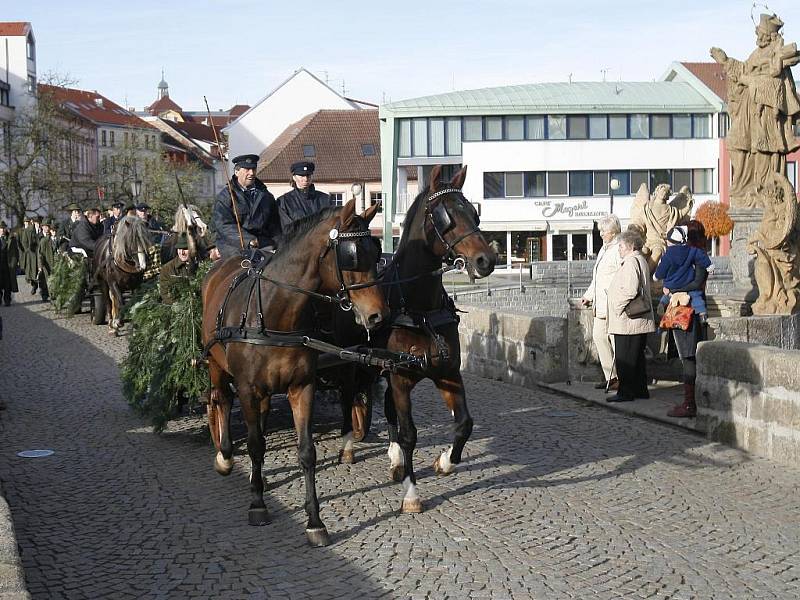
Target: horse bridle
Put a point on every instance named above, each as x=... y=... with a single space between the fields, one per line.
x=441 y=221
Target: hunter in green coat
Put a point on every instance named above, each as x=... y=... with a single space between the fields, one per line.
x=46 y=257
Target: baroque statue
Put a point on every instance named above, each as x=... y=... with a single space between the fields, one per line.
x=653 y=216
x=763 y=107
x=776 y=244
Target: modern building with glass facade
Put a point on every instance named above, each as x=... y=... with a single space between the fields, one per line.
x=541 y=156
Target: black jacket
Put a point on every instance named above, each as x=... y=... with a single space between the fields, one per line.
x=258 y=215
x=296 y=204
x=85 y=235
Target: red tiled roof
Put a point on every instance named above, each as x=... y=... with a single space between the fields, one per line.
x=712 y=75
x=163 y=105
x=195 y=131
x=337 y=137
x=238 y=109
x=86 y=105
x=14 y=28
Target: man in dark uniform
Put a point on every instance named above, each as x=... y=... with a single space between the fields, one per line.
x=113 y=218
x=45 y=257
x=179 y=268
x=143 y=212
x=303 y=200
x=65 y=231
x=28 y=241
x=257 y=210
x=9 y=261
x=87 y=231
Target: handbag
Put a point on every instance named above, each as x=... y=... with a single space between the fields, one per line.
x=641 y=305
x=677 y=317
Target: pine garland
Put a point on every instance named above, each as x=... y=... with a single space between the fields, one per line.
x=157 y=375
x=66 y=283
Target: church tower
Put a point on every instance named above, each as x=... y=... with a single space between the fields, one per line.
x=163 y=87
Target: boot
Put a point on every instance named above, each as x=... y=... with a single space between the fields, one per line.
x=688 y=409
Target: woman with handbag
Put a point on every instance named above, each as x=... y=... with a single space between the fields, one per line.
x=630 y=318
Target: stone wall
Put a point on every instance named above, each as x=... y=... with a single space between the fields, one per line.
x=778 y=331
x=748 y=396
x=514 y=348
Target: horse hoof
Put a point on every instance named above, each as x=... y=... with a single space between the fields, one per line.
x=257 y=516
x=223 y=465
x=318 y=537
x=411 y=506
x=112 y=332
x=441 y=470
x=347 y=457
x=397 y=473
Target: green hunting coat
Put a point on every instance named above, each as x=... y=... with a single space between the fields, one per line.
x=28 y=241
x=9 y=261
x=46 y=254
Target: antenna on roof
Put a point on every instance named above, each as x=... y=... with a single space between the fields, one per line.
x=604 y=72
x=570 y=77
x=344 y=90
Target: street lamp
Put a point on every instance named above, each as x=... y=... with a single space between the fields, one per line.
x=613 y=186
x=136 y=188
x=357 y=192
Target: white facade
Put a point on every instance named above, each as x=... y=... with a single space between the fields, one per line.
x=18 y=68
x=298 y=96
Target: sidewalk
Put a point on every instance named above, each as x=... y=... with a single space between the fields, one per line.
x=663 y=396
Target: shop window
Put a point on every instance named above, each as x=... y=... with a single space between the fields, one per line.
x=580 y=251
x=497 y=242
x=560 y=246
x=493 y=185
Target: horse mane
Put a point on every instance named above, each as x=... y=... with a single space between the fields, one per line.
x=294 y=233
x=179 y=223
x=130 y=236
x=411 y=214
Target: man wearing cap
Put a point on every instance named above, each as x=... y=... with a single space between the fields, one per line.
x=256 y=208
x=9 y=261
x=113 y=218
x=65 y=231
x=45 y=257
x=28 y=241
x=143 y=212
x=303 y=200
x=179 y=268
x=87 y=231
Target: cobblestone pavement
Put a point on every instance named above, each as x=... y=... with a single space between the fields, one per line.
x=555 y=499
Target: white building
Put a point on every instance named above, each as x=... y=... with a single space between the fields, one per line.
x=300 y=95
x=541 y=156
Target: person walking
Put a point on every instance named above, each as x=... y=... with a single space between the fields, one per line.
x=28 y=241
x=630 y=328
x=9 y=261
x=605 y=267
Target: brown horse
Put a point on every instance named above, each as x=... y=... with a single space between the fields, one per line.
x=275 y=304
x=440 y=224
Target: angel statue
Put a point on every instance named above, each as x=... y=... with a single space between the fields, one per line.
x=654 y=216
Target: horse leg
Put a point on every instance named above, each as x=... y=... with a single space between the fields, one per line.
x=256 y=446
x=116 y=307
x=301 y=399
x=394 y=452
x=347 y=392
x=452 y=390
x=407 y=439
x=219 y=405
x=264 y=408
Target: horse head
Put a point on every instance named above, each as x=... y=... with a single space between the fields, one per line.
x=451 y=224
x=130 y=243
x=189 y=221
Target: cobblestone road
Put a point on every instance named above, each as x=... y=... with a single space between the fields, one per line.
x=546 y=505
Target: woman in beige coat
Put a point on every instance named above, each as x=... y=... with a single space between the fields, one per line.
x=605 y=267
x=630 y=333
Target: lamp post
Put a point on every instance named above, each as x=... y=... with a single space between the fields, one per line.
x=136 y=189
x=613 y=186
x=357 y=190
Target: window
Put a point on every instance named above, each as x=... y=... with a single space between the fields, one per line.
x=31 y=84
x=111 y=138
x=580 y=183
x=515 y=128
x=579 y=249
x=368 y=149
x=337 y=198
x=701 y=126
x=493 y=128
x=473 y=129
x=31 y=48
x=557 y=183
x=681 y=126
x=702 y=181
x=135 y=140
x=577 y=127
x=617 y=127
x=4 y=96
x=639 y=127
x=600 y=182
x=125 y=143
x=637 y=179
x=309 y=151
x=493 y=185
x=535 y=126
x=556 y=127
x=513 y=185
x=420 y=137
x=660 y=126
x=535 y=184
x=437 y=137
x=404 y=135
x=659 y=176
x=453 y=137
x=560 y=246
x=103 y=138
x=598 y=127
x=680 y=178
x=374 y=198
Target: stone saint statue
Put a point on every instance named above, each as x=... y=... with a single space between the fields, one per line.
x=654 y=216
x=763 y=106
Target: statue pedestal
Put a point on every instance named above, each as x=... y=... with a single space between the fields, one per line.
x=745 y=292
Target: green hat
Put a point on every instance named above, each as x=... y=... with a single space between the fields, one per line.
x=183 y=242
x=37 y=219
x=72 y=206
x=3 y=225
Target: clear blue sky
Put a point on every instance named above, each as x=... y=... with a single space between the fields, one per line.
x=236 y=51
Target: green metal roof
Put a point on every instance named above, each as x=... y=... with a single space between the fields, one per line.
x=554 y=98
